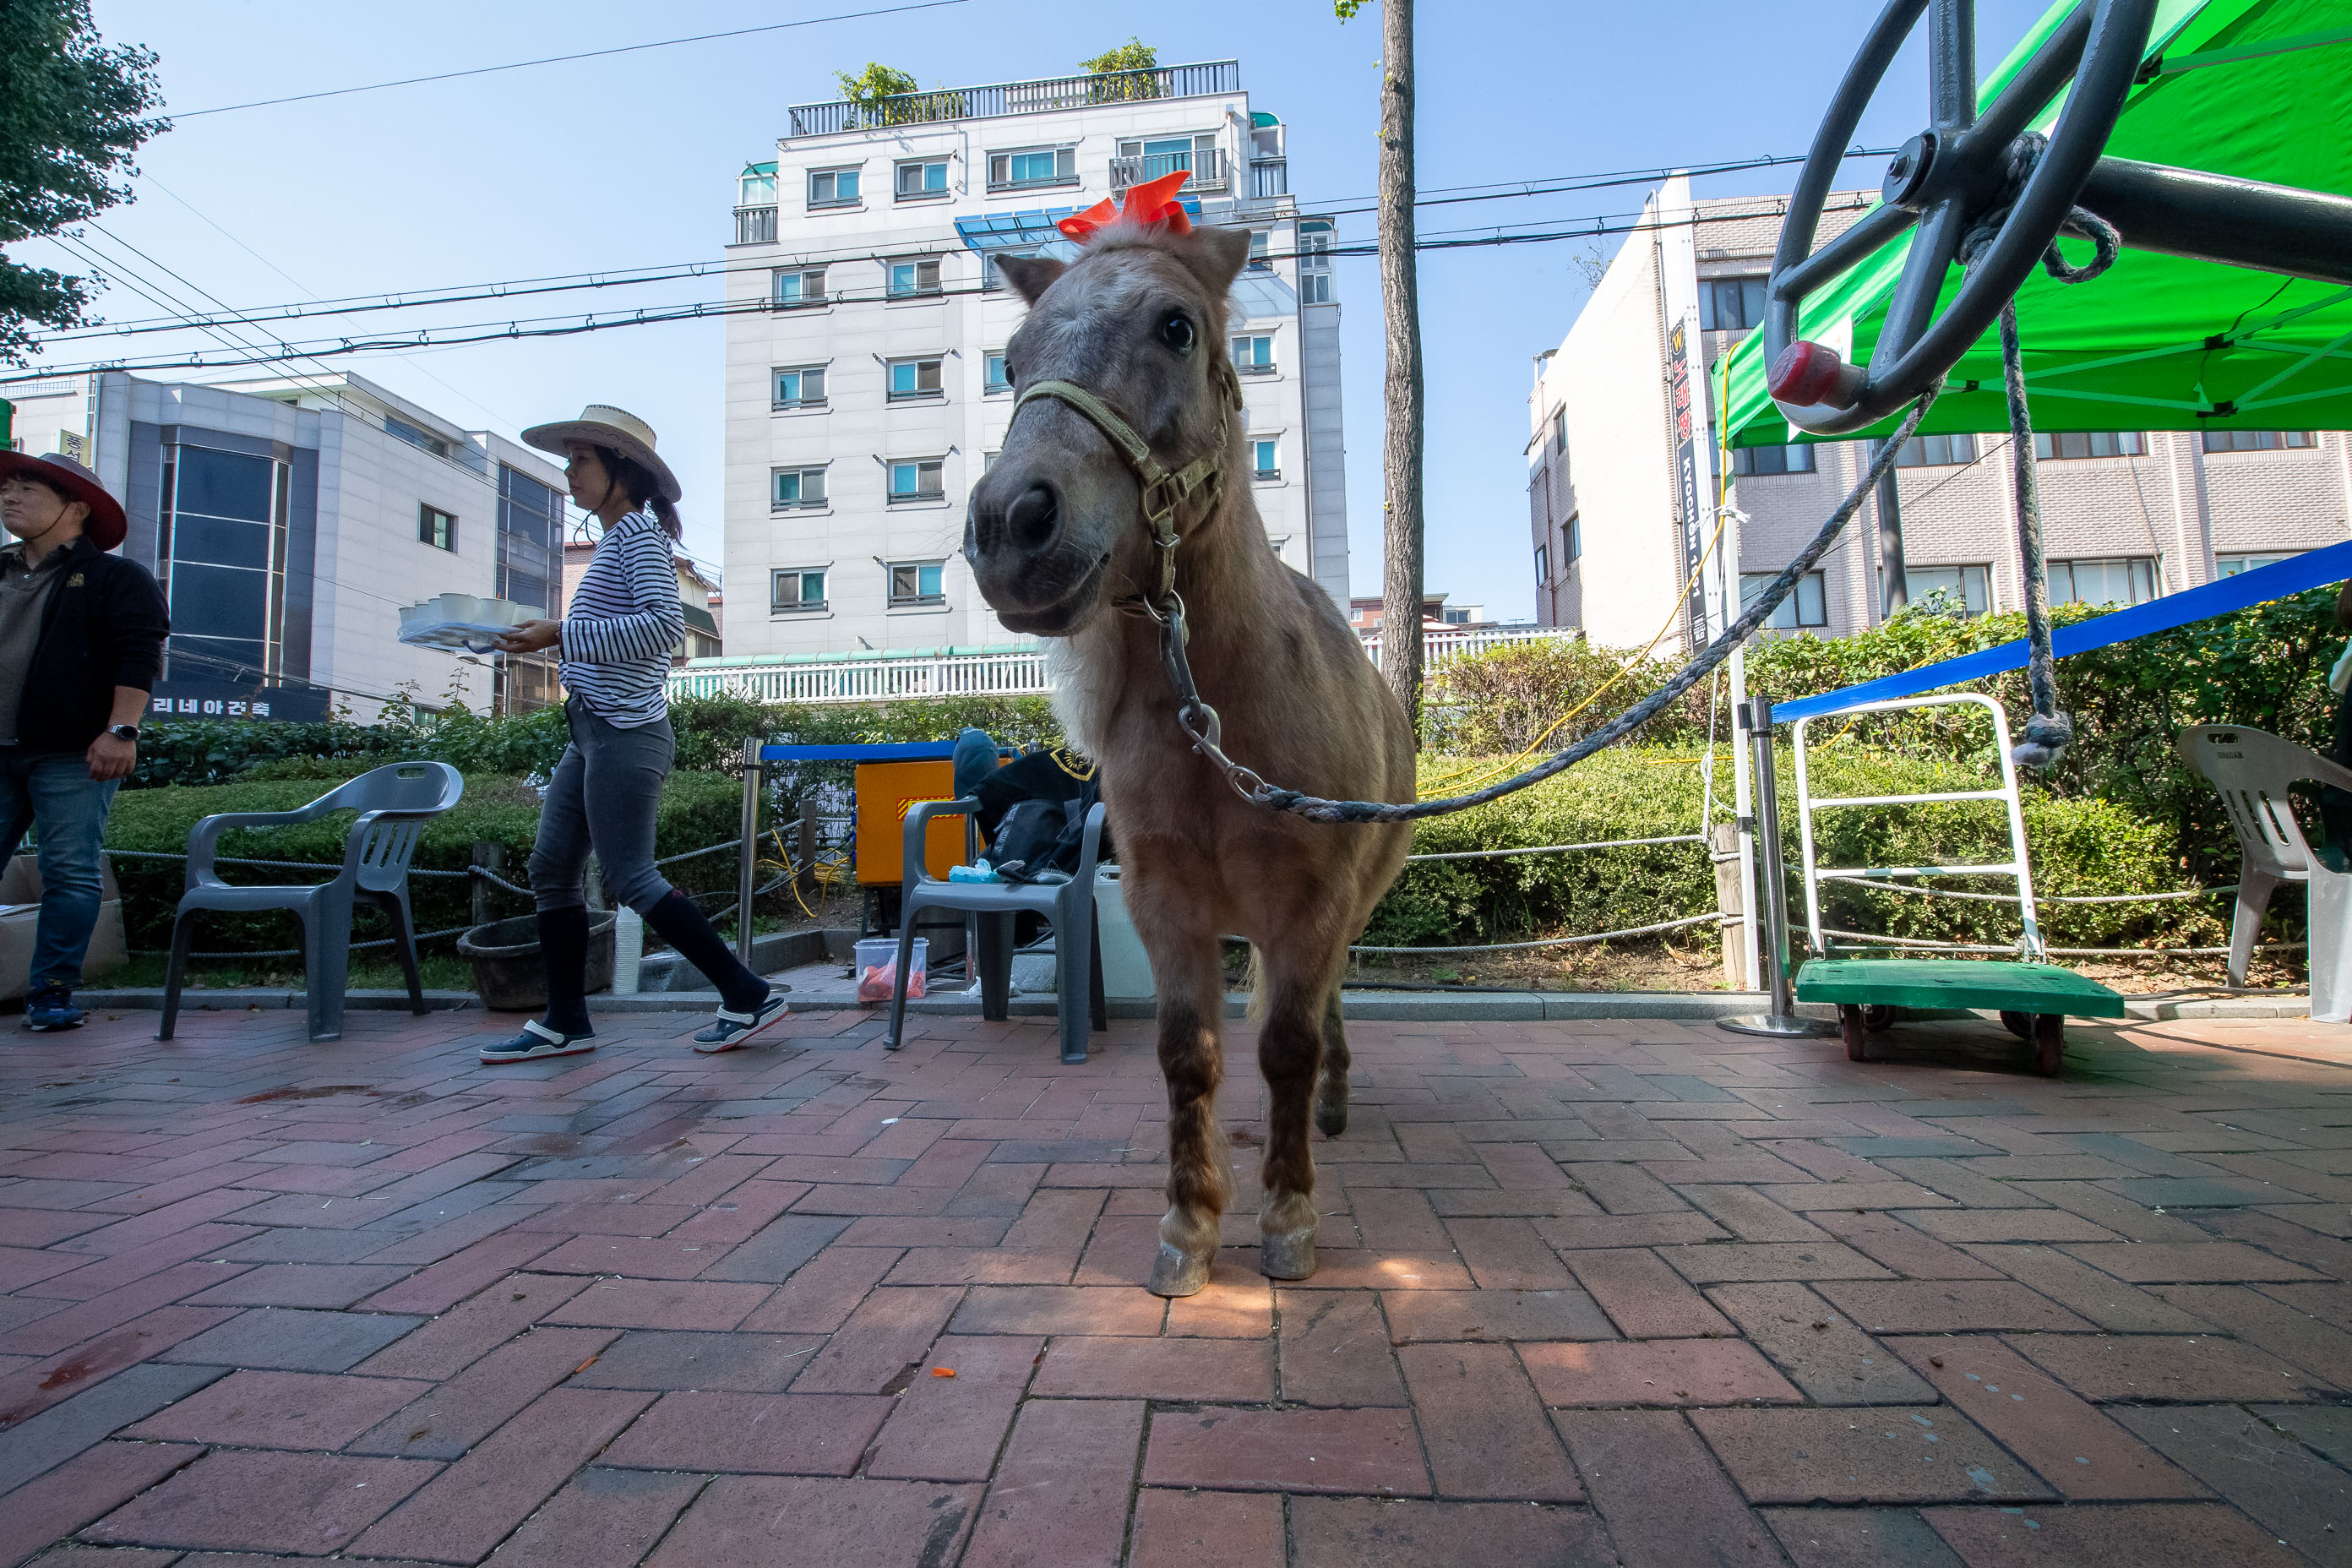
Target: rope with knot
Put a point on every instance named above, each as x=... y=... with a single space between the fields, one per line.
x=2049 y=732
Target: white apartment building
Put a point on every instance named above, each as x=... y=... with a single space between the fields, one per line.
x=865 y=385
x=2126 y=515
x=289 y=519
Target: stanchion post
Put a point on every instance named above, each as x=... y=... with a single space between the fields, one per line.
x=747 y=858
x=1772 y=903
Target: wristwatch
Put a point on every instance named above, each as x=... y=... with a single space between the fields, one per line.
x=123 y=732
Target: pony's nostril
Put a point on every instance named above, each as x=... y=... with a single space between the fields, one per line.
x=1033 y=517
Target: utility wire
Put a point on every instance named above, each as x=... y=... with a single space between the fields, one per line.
x=561 y=59
x=556 y=283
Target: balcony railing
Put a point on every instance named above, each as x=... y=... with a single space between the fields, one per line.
x=867 y=678
x=755 y=225
x=1269 y=177
x=1036 y=97
x=1208 y=170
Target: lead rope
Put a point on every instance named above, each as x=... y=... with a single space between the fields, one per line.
x=2049 y=732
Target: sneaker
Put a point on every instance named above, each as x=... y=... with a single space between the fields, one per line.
x=51 y=1007
x=538 y=1040
x=734 y=1028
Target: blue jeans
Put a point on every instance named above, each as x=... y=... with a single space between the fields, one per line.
x=603 y=796
x=51 y=794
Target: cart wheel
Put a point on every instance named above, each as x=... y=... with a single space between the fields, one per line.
x=2019 y=1024
x=1877 y=1018
x=2049 y=1043
x=1858 y=1036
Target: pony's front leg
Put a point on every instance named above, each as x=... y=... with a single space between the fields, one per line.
x=1301 y=996
x=1187 y=972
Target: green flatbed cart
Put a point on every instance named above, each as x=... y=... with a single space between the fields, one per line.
x=2033 y=1000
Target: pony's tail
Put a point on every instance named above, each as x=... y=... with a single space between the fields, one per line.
x=1255 y=978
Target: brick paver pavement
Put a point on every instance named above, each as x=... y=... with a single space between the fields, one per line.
x=1641 y=1293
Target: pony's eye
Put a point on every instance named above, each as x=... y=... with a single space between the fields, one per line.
x=1176 y=332
x=1011 y=374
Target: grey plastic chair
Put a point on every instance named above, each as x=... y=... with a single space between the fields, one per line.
x=1070 y=906
x=394 y=803
x=2253 y=770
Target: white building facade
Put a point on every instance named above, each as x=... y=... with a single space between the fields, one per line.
x=2126 y=515
x=288 y=521
x=865 y=385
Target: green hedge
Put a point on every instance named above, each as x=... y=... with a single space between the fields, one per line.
x=2078 y=845
x=696 y=808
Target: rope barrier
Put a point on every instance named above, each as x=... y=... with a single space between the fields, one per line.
x=296 y=952
x=1888 y=885
x=2062 y=951
x=1556 y=940
x=1558 y=848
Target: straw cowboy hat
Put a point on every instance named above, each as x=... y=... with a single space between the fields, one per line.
x=106 y=524
x=601 y=424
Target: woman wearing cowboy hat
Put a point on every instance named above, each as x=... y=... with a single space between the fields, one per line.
x=615 y=639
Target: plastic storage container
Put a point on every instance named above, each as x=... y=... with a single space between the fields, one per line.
x=878 y=961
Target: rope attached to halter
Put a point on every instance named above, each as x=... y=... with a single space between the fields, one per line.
x=2049 y=732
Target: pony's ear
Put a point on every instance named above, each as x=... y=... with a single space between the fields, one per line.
x=1029 y=275
x=1216 y=256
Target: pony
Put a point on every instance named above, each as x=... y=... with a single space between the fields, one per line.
x=1118 y=515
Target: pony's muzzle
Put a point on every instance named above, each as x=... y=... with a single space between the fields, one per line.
x=1031 y=569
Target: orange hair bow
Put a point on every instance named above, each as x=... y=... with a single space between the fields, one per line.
x=1146 y=204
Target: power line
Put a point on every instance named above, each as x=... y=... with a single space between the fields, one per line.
x=556 y=283
x=562 y=60
x=541 y=327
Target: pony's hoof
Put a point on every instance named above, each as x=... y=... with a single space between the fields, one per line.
x=1288 y=1255
x=1331 y=1116
x=1178 y=1273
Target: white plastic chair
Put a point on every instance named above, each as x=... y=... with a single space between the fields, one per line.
x=2253 y=771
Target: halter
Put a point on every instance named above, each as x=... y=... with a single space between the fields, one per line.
x=1164 y=493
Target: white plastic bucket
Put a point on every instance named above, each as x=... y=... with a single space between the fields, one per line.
x=877 y=960
x=1127 y=969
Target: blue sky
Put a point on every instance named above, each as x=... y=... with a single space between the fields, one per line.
x=630 y=160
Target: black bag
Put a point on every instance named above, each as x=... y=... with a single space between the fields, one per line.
x=1041 y=840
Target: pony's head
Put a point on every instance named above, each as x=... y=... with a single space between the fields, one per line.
x=1138 y=320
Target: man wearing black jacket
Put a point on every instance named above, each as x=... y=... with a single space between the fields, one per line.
x=81 y=641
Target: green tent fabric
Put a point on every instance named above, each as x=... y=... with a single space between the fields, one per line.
x=2257 y=88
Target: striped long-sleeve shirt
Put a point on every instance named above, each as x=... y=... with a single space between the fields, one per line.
x=623 y=622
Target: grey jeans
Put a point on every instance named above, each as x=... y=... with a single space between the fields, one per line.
x=603 y=797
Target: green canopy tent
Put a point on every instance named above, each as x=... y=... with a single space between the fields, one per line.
x=2261 y=90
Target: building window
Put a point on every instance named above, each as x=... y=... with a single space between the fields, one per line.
x=1265 y=458
x=1807 y=606
x=757 y=187
x=922 y=178
x=1730 y=304
x=1746 y=461
x=1543 y=567
x=1953 y=590
x=994 y=377
x=801 y=387
x=1033 y=167
x=801 y=286
x=1315 y=262
x=2117 y=580
x=1936 y=451
x=833 y=187
x=1254 y=354
x=791 y=592
x=1259 y=259
x=1572 y=538
x=2257 y=440
x=2230 y=566
x=221 y=539
x=917 y=582
x=530 y=541
x=793 y=489
x=1141 y=158
x=2095 y=444
x=917 y=478
x=990 y=278
x=402 y=429
x=1559 y=429
x=915 y=277
x=988 y=460
x=913 y=378
x=436 y=527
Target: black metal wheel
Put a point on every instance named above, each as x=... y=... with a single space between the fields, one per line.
x=2049 y=1043
x=2019 y=1024
x=1941 y=183
x=1857 y=1034
x=1878 y=1019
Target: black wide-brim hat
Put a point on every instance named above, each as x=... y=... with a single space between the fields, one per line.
x=107 y=525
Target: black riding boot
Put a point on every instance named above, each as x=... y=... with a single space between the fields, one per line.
x=564 y=952
x=677 y=923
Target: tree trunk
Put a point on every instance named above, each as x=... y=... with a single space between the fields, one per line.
x=1400 y=646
